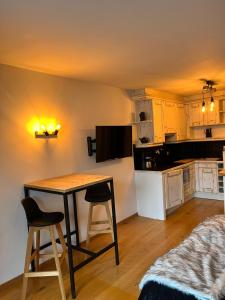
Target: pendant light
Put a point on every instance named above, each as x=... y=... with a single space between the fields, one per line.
x=208 y=88
x=203 y=102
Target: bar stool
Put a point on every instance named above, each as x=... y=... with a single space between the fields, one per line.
x=98 y=194
x=38 y=220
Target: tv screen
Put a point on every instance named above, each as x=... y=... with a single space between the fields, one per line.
x=113 y=142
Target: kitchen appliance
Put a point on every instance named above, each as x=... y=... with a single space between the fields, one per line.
x=208 y=132
x=149 y=163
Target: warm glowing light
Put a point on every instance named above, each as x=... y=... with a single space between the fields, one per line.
x=51 y=128
x=58 y=127
x=203 y=108
x=46 y=127
x=42 y=126
x=212 y=104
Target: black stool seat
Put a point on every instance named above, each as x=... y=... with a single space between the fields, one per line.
x=37 y=217
x=98 y=193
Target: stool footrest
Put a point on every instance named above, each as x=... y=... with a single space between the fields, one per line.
x=99 y=222
x=92 y=232
x=42 y=274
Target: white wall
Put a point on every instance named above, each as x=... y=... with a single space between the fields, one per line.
x=79 y=107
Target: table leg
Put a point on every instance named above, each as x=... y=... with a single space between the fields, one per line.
x=76 y=219
x=70 y=252
x=27 y=194
x=114 y=223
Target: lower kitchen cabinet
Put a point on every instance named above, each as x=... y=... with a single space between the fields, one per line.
x=173 y=188
x=157 y=193
x=206 y=177
x=150 y=195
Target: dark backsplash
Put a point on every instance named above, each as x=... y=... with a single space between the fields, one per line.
x=172 y=152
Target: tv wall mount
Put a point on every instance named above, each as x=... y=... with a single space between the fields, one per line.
x=91 y=143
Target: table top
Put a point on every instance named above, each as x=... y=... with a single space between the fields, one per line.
x=67 y=183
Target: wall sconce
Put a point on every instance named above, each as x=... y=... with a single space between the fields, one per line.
x=47 y=131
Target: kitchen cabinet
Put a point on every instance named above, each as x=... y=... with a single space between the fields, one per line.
x=152 y=127
x=196 y=116
x=169 y=111
x=211 y=117
x=158 y=123
x=173 y=188
x=206 y=177
x=181 y=122
x=188 y=182
x=144 y=127
x=175 y=120
x=150 y=195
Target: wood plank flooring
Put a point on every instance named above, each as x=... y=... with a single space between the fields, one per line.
x=141 y=241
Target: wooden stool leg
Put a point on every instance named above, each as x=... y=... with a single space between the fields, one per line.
x=37 y=257
x=55 y=252
x=109 y=218
x=90 y=212
x=62 y=241
x=27 y=262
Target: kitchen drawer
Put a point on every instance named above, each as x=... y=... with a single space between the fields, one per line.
x=207 y=165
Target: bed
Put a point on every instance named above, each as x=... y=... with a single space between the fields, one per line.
x=155 y=291
x=195 y=269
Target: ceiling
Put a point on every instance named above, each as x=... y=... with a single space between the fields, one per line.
x=167 y=45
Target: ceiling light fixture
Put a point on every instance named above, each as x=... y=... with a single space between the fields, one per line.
x=208 y=88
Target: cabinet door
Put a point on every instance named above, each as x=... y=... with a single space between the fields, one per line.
x=192 y=180
x=169 y=111
x=159 y=136
x=196 y=116
x=181 y=122
x=212 y=117
x=174 y=189
x=208 y=180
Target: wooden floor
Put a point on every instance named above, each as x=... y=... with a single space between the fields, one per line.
x=141 y=241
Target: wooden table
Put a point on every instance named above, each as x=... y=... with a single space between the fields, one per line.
x=70 y=185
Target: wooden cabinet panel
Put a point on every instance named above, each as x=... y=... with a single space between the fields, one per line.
x=208 y=180
x=158 y=123
x=173 y=188
x=196 y=117
x=212 y=117
x=181 y=122
x=206 y=177
x=169 y=111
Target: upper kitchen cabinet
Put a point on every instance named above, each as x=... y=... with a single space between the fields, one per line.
x=175 y=119
x=199 y=118
x=221 y=105
x=196 y=117
x=143 y=120
x=181 y=121
x=158 y=122
x=148 y=119
x=212 y=117
x=169 y=111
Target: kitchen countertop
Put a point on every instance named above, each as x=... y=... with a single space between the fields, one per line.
x=183 y=163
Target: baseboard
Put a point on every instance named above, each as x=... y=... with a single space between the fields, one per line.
x=211 y=196
x=128 y=218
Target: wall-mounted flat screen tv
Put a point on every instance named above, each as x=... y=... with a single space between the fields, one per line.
x=113 y=142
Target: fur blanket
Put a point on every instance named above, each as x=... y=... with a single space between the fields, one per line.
x=197 y=266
